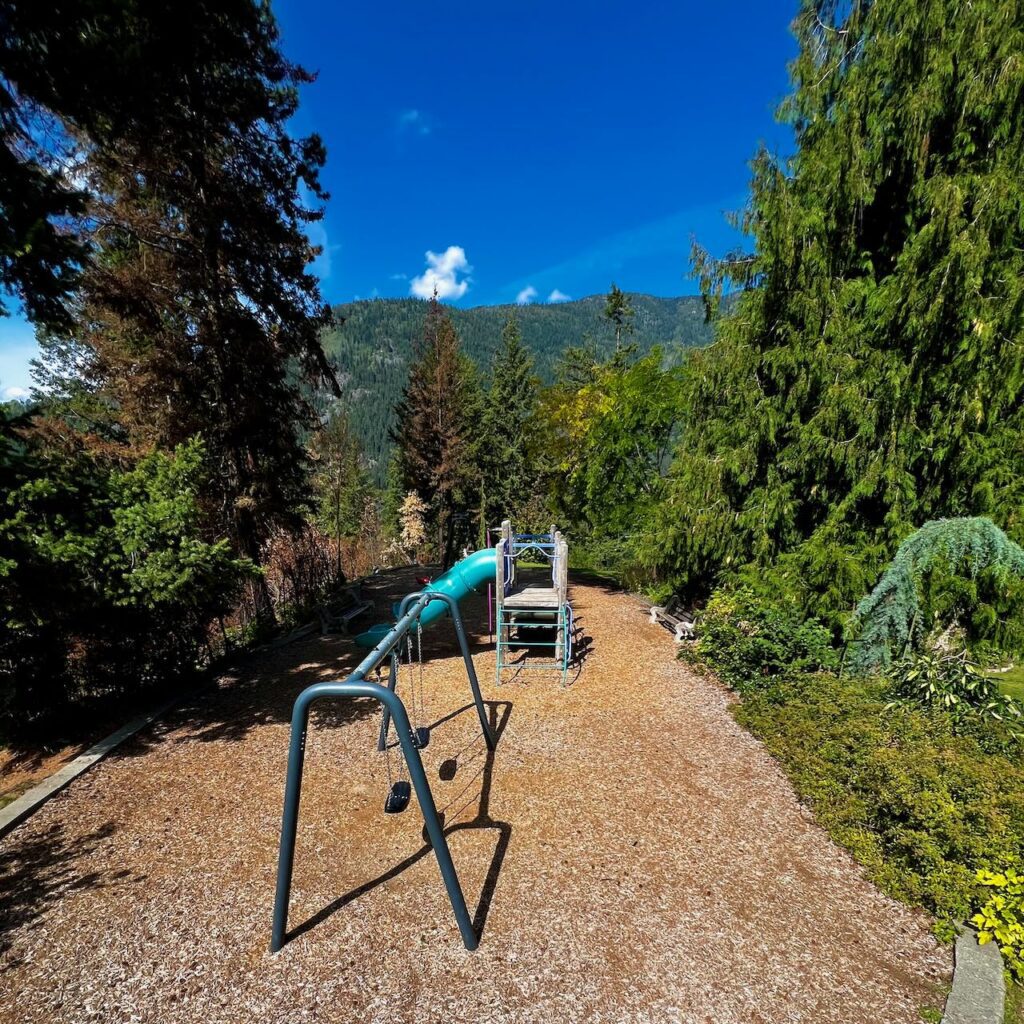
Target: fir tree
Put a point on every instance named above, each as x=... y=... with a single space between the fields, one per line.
x=870 y=376
x=197 y=311
x=340 y=484
x=619 y=313
x=437 y=427
x=508 y=476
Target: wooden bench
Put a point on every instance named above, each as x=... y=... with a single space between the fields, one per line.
x=338 y=615
x=675 y=618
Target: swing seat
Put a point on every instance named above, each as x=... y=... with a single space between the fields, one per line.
x=421 y=738
x=398 y=797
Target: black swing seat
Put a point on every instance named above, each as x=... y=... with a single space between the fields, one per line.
x=421 y=737
x=398 y=797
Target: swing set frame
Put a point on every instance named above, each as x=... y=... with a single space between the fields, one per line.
x=357 y=685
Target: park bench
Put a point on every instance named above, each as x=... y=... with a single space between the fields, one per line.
x=674 y=617
x=337 y=616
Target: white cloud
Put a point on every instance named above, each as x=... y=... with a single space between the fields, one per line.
x=558 y=296
x=14 y=394
x=414 y=122
x=442 y=275
x=528 y=294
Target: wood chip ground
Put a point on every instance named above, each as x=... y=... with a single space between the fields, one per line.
x=631 y=854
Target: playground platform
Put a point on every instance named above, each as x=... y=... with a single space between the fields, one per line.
x=532 y=618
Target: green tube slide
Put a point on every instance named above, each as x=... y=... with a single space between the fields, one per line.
x=469 y=576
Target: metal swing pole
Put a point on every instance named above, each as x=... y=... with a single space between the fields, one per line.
x=356 y=685
x=426 y=596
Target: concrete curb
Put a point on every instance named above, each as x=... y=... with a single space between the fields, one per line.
x=30 y=802
x=978 y=994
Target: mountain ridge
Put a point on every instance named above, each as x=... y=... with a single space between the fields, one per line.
x=371 y=345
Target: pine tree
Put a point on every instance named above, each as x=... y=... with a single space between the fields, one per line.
x=437 y=430
x=197 y=313
x=341 y=486
x=870 y=376
x=508 y=475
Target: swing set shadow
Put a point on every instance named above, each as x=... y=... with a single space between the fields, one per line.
x=499 y=713
x=410 y=741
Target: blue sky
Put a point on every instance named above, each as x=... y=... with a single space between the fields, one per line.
x=531 y=150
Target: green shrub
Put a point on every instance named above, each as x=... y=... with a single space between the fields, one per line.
x=1002 y=916
x=920 y=803
x=950 y=570
x=749 y=642
x=107 y=582
x=952 y=683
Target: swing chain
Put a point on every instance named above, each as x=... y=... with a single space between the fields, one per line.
x=395 y=664
x=421 y=710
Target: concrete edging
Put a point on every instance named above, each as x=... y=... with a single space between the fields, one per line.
x=978 y=994
x=30 y=801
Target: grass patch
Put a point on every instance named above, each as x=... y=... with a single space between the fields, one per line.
x=1012 y=682
x=1014 y=1003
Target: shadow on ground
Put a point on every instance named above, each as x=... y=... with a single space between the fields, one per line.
x=499 y=713
x=45 y=868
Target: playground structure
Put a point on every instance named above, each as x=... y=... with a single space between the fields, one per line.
x=411 y=614
x=529 y=616
x=526 y=616
x=521 y=613
x=146 y=889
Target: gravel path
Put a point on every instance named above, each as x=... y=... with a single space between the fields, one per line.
x=632 y=854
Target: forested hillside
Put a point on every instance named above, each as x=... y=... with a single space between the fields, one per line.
x=372 y=344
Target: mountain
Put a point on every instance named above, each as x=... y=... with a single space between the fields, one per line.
x=372 y=345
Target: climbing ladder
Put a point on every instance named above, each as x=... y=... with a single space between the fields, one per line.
x=526 y=614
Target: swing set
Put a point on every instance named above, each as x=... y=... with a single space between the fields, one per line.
x=410 y=740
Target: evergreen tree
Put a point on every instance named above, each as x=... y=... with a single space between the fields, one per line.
x=197 y=309
x=340 y=484
x=870 y=376
x=619 y=313
x=437 y=430
x=508 y=476
x=392 y=497
x=914 y=595
x=40 y=253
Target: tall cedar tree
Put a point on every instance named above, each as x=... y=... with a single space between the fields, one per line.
x=437 y=427
x=508 y=477
x=197 y=312
x=871 y=375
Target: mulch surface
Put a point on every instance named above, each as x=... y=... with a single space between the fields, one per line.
x=630 y=853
